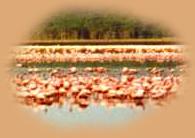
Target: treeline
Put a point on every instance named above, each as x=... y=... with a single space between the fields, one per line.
x=86 y=25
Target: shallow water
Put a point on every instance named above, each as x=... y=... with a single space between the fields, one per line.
x=93 y=115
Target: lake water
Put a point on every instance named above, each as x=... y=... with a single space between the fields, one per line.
x=93 y=115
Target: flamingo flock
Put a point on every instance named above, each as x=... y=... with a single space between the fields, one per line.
x=101 y=54
x=79 y=88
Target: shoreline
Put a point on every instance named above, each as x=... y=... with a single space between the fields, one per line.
x=163 y=41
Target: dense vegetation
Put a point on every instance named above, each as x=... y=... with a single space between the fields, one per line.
x=89 y=25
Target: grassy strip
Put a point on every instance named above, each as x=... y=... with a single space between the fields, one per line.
x=113 y=64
